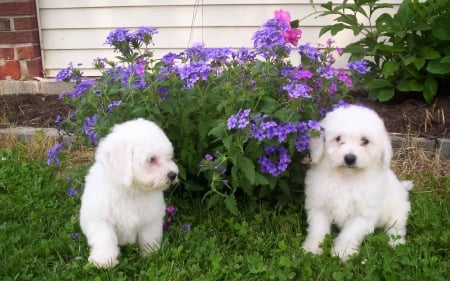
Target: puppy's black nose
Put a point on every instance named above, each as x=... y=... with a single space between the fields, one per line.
x=350 y=159
x=172 y=176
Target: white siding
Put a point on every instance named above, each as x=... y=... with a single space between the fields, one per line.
x=75 y=30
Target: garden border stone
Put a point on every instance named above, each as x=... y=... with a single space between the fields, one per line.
x=431 y=147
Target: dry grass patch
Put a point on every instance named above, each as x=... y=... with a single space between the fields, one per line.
x=414 y=163
x=39 y=144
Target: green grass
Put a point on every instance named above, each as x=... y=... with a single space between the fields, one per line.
x=38 y=219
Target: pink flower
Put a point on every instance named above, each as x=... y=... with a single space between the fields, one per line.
x=283 y=16
x=292 y=36
x=170 y=209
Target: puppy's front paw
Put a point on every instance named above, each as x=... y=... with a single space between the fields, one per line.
x=103 y=259
x=343 y=251
x=312 y=247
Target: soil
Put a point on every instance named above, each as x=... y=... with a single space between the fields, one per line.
x=409 y=116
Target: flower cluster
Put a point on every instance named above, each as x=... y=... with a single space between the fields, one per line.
x=238 y=118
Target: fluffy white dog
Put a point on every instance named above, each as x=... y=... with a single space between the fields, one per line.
x=350 y=183
x=123 y=197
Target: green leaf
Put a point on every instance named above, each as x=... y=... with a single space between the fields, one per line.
x=445 y=59
x=419 y=63
x=348 y=19
x=213 y=200
x=409 y=85
x=218 y=131
x=384 y=22
x=440 y=27
x=430 y=89
x=328 y=6
x=230 y=203
x=391 y=49
x=386 y=94
x=378 y=84
x=261 y=179
x=295 y=23
x=389 y=67
x=246 y=165
x=333 y=29
x=436 y=67
x=428 y=53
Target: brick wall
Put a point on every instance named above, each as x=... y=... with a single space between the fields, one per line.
x=20 y=53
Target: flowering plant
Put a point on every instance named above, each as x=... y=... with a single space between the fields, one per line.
x=240 y=120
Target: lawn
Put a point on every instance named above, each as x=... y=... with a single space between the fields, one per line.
x=40 y=237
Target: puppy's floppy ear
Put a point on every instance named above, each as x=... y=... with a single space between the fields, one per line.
x=316 y=146
x=386 y=152
x=118 y=157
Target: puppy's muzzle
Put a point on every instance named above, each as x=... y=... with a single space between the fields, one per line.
x=172 y=176
x=350 y=160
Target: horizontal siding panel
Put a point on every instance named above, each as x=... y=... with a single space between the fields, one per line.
x=175 y=38
x=164 y=16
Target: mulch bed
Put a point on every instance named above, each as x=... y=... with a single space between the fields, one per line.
x=410 y=116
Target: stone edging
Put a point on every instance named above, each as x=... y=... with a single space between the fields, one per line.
x=437 y=146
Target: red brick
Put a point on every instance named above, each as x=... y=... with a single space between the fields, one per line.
x=5 y=24
x=34 y=68
x=26 y=23
x=18 y=8
x=19 y=37
x=9 y=70
x=7 y=53
x=28 y=52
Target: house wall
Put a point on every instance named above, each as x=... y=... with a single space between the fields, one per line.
x=75 y=30
x=20 y=53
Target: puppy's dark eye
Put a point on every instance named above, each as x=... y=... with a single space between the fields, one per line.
x=150 y=160
x=364 y=141
x=338 y=139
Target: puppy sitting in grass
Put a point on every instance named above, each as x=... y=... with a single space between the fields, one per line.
x=351 y=185
x=123 y=199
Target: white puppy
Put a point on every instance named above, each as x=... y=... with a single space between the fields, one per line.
x=350 y=183
x=123 y=197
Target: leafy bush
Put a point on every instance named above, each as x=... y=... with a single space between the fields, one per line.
x=409 y=52
x=240 y=120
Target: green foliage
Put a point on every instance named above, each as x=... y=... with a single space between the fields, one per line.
x=239 y=119
x=39 y=218
x=409 y=51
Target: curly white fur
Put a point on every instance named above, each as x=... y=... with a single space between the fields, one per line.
x=123 y=199
x=350 y=183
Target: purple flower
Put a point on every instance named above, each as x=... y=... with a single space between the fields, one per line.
x=65 y=74
x=302 y=142
x=117 y=36
x=313 y=124
x=89 y=129
x=53 y=154
x=208 y=157
x=75 y=235
x=81 y=88
x=114 y=104
x=310 y=52
x=297 y=90
x=239 y=121
x=71 y=191
x=275 y=161
x=186 y=227
x=143 y=34
x=359 y=66
x=58 y=119
x=133 y=76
